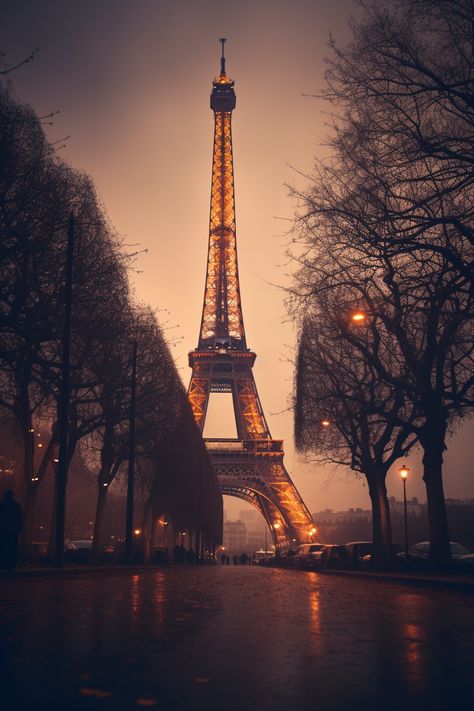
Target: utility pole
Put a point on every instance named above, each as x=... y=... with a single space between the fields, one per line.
x=63 y=406
x=131 y=461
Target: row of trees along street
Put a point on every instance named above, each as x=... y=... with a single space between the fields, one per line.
x=385 y=229
x=174 y=476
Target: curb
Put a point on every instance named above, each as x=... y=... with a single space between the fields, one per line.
x=46 y=572
x=419 y=581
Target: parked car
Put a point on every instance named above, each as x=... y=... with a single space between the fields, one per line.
x=356 y=550
x=80 y=552
x=83 y=545
x=419 y=555
x=422 y=550
x=332 y=556
x=465 y=563
x=305 y=555
x=40 y=550
x=366 y=560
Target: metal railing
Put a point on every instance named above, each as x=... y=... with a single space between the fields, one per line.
x=250 y=446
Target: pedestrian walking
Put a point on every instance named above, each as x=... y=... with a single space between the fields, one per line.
x=11 y=525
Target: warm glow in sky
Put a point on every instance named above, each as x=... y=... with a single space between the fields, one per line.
x=132 y=81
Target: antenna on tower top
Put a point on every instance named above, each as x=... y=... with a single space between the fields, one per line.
x=222 y=40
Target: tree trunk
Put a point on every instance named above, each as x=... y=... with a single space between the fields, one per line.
x=26 y=547
x=146 y=531
x=432 y=440
x=52 y=528
x=28 y=485
x=381 y=527
x=32 y=481
x=99 y=523
x=52 y=532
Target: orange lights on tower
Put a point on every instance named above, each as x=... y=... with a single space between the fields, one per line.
x=252 y=468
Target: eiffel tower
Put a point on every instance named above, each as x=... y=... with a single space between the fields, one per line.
x=251 y=466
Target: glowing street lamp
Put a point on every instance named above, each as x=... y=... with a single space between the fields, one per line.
x=358 y=317
x=325 y=423
x=404 y=470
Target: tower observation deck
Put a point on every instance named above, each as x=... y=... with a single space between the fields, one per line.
x=250 y=466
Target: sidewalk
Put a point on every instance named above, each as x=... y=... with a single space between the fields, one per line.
x=453 y=582
x=23 y=571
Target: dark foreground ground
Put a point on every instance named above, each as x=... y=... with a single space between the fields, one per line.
x=232 y=638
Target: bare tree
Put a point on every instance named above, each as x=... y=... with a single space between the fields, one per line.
x=403 y=92
x=345 y=412
x=388 y=217
x=37 y=194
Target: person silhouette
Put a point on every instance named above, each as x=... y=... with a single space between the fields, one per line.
x=11 y=525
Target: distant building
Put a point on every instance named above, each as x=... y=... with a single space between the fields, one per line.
x=257 y=529
x=413 y=506
x=235 y=536
x=328 y=517
x=356 y=523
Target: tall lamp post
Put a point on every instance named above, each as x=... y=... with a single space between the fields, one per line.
x=404 y=474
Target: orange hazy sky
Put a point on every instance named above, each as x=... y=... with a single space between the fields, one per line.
x=132 y=81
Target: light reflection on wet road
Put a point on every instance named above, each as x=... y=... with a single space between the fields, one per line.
x=232 y=638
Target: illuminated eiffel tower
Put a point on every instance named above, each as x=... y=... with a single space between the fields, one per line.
x=251 y=466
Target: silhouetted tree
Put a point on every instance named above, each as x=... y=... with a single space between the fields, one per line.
x=37 y=194
x=347 y=414
x=404 y=97
x=388 y=218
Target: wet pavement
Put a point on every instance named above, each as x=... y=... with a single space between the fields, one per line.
x=232 y=638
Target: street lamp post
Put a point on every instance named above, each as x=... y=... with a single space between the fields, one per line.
x=404 y=474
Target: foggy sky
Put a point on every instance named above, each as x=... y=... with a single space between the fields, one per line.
x=132 y=81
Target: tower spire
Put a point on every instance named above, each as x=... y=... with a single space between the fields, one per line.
x=222 y=323
x=222 y=40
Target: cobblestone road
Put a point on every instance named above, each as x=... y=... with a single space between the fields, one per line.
x=232 y=638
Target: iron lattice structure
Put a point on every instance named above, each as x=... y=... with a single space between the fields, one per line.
x=251 y=466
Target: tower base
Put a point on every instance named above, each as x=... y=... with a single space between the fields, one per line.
x=253 y=470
